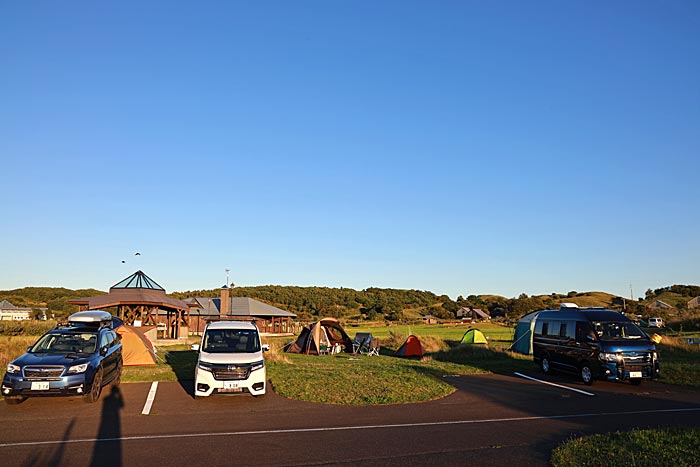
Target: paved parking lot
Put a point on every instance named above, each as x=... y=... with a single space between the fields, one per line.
x=490 y=419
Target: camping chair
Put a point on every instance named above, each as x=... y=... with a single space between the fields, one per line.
x=360 y=344
x=373 y=347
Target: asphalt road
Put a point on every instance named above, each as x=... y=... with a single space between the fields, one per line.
x=490 y=420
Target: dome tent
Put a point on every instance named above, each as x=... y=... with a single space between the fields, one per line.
x=411 y=348
x=474 y=336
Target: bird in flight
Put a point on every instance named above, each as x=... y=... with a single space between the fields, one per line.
x=137 y=254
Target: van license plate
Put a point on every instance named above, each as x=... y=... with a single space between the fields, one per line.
x=234 y=384
x=635 y=374
x=40 y=385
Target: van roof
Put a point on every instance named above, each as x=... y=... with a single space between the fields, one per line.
x=231 y=325
x=587 y=314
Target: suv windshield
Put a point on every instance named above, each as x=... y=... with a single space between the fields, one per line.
x=618 y=330
x=231 y=341
x=66 y=342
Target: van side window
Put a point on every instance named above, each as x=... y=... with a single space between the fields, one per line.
x=562 y=330
x=553 y=329
x=545 y=328
x=584 y=329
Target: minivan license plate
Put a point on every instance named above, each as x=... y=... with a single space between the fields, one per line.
x=40 y=385
x=635 y=374
x=230 y=384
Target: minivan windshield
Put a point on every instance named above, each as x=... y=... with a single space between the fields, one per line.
x=231 y=341
x=68 y=342
x=611 y=330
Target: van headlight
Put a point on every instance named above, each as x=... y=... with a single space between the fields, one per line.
x=204 y=366
x=78 y=368
x=257 y=365
x=609 y=357
x=12 y=368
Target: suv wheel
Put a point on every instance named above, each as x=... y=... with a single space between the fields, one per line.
x=586 y=374
x=13 y=400
x=96 y=388
x=118 y=378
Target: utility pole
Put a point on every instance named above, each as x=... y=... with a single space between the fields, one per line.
x=631 y=293
x=227 y=271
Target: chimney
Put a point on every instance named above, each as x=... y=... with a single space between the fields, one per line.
x=225 y=302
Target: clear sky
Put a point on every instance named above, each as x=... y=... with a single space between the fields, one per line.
x=462 y=147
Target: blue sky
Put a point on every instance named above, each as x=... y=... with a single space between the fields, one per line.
x=460 y=147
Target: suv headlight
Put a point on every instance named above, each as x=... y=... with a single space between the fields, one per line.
x=257 y=365
x=12 y=368
x=78 y=368
x=610 y=357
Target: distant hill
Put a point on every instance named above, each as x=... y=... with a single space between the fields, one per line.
x=377 y=303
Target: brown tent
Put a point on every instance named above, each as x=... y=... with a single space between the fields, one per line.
x=137 y=349
x=324 y=333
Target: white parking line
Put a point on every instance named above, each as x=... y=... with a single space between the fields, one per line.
x=149 y=400
x=352 y=428
x=554 y=384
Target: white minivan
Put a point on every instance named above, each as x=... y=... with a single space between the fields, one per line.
x=656 y=323
x=230 y=360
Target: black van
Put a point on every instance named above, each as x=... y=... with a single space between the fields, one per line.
x=594 y=344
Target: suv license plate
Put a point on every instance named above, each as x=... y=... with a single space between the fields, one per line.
x=231 y=384
x=635 y=374
x=40 y=385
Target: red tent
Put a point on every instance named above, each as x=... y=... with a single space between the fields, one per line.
x=411 y=348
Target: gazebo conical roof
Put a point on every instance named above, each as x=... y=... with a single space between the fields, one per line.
x=137 y=289
x=138 y=280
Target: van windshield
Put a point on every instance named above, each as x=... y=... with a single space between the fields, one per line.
x=231 y=341
x=616 y=330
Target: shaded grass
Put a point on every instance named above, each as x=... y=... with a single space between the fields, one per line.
x=674 y=447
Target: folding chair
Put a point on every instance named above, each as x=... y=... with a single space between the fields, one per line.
x=373 y=347
x=360 y=344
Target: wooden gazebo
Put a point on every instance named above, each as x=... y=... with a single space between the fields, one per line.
x=138 y=297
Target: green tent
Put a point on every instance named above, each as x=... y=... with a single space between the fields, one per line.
x=522 y=340
x=473 y=336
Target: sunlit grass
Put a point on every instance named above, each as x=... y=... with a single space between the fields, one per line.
x=675 y=447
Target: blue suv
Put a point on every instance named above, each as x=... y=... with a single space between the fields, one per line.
x=77 y=359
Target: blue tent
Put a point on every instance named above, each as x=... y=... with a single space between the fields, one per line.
x=522 y=339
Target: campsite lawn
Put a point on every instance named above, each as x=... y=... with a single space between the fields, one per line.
x=671 y=447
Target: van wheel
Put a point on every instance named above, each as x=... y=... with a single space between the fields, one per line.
x=546 y=365
x=586 y=374
x=636 y=381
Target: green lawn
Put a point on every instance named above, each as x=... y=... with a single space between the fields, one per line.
x=675 y=447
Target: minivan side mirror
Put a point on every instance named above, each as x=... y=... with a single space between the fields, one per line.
x=195 y=347
x=266 y=347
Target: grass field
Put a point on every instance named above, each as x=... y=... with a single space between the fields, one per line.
x=674 y=447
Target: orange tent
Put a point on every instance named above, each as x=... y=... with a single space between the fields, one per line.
x=411 y=348
x=137 y=349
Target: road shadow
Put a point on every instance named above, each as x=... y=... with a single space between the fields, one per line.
x=55 y=458
x=108 y=447
x=183 y=363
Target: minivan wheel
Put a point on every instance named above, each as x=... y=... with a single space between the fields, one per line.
x=546 y=365
x=586 y=374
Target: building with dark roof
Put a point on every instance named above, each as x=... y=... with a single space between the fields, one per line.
x=269 y=319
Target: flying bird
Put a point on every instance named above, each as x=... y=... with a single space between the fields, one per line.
x=123 y=261
x=137 y=254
